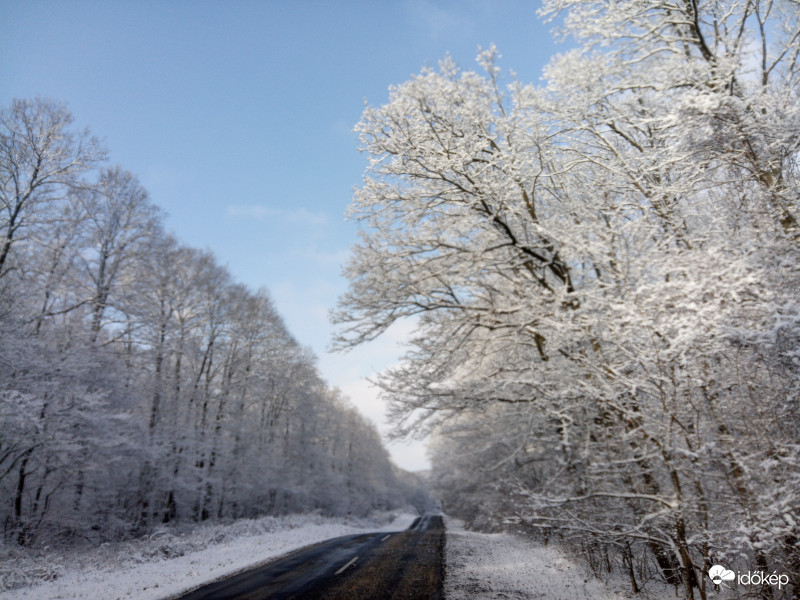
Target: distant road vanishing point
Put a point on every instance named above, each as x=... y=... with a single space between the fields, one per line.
x=406 y=565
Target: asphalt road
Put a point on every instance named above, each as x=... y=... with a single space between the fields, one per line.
x=407 y=565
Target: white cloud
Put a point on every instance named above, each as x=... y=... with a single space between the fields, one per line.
x=259 y=211
x=253 y=211
x=365 y=397
x=303 y=215
x=411 y=455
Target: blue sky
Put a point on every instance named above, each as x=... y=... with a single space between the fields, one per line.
x=237 y=117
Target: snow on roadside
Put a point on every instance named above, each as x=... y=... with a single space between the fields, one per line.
x=166 y=564
x=488 y=566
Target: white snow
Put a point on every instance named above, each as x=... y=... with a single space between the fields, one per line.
x=489 y=566
x=168 y=563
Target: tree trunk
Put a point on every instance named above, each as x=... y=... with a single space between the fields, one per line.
x=22 y=530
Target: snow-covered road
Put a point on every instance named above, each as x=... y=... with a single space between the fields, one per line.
x=402 y=565
x=477 y=565
x=165 y=565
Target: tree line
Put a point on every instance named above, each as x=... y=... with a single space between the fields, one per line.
x=603 y=270
x=140 y=384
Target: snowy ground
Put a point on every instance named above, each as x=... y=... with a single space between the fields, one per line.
x=168 y=563
x=478 y=565
x=491 y=566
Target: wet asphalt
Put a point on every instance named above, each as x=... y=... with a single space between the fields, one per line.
x=402 y=565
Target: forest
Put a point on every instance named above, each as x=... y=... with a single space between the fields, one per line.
x=603 y=271
x=139 y=384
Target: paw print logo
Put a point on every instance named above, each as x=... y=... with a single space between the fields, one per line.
x=719 y=575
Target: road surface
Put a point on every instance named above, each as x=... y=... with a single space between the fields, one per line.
x=404 y=565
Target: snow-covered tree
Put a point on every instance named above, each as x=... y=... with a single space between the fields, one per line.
x=119 y=217
x=41 y=158
x=603 y=271
x=139 y=385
